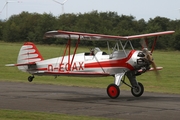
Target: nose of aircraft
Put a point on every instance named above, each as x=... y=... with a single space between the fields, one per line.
x=142 y=63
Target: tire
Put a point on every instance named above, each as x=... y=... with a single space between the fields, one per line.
x=30 y=78
x=113 y=91
x=137 y=91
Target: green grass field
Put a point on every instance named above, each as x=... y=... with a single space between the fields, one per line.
x=168 y=82
x=25 y=115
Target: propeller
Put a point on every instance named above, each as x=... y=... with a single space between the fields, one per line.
x=149 y=56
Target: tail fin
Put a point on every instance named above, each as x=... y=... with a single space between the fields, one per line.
x=28 y=54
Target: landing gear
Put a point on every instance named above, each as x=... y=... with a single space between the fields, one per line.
x=30 y=78
x=138 y=90
x=113 y=91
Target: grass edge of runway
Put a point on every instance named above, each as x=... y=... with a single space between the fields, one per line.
x=28 y=115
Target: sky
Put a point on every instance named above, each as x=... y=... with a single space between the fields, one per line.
x=140 y=9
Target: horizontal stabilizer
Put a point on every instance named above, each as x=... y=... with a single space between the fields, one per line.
x=12 y=65
x=152 y=69
x=157 y=68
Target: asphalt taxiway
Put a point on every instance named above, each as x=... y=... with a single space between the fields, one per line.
x=88 y=101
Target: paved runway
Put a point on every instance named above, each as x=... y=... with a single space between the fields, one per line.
x=88 y=101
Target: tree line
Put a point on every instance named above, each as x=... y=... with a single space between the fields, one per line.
x=32 y=26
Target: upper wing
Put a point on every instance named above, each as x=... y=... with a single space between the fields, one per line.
x=82 y=36
x=89 y=36
x=149 y=35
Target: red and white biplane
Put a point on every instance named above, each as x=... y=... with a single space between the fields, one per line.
x=119 y=63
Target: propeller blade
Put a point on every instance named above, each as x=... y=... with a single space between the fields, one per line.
x=150 y=59
x=155 y=68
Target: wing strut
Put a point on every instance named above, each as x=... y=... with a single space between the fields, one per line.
x=68 y=47
x=154 y=44
x=77 y=43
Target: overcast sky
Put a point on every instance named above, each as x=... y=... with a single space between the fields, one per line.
x=145 y=9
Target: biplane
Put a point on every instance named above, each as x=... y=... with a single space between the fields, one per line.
x=120 y=62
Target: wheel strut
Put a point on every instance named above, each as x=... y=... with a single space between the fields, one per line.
x=127 y=84
x=136 y=91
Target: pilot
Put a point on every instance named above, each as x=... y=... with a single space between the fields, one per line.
x=91 y=51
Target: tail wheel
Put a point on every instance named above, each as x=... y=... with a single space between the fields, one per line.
x=113 y=91
x=137 y=91
x=30 y=78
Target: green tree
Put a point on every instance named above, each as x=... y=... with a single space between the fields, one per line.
x=159 y=24
x=32 y=26
x=1 y=30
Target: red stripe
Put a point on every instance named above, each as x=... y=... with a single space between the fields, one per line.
x=42 y=69
x=112 y=63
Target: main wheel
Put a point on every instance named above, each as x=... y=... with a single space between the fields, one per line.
x=113 y=91
x=137 y=91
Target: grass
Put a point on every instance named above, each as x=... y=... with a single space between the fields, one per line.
x=168 y=82
x=25 y=115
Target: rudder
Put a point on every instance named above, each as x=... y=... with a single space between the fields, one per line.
x=28 y=54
